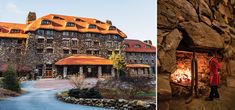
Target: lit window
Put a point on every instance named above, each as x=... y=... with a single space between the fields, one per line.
x=66 y=51
x=44 y=22
x=112 y=28
x=70 y=24
x=15 y=31
x=92 y=26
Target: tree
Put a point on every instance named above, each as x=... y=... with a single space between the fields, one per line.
x=119 y=62
x=10 y=80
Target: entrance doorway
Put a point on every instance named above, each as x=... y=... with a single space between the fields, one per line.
x=49 y=72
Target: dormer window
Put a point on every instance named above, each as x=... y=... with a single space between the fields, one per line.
x=57 y=17
x=15 y=31
x=79 y=20
x=70 y=24
x=137 y=46
x=92 y=26
x=45 y=22
x=112 y=28
x=98 y=22
x=148 y=46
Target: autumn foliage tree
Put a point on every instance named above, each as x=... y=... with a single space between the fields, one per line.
x=119 y=62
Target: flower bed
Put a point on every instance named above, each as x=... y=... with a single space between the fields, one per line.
x=120 y=104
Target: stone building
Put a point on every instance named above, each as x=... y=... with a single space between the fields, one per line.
x=47 y=39
x=140 y=56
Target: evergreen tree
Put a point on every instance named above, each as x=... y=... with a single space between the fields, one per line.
x=10 y=80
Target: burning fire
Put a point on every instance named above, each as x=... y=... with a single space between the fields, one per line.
x=182 y=76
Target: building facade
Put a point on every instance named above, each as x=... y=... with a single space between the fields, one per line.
x=52 y=37
x=138 y=52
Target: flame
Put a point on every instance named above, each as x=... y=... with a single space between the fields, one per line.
x=181 y=76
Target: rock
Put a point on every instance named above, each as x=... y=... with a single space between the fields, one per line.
x=141 y=103
x=171 y=12
x=163 y=95
x=206 y=20
x=202 y=35
x=166 y=55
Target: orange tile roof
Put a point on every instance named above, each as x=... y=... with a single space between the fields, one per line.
x=82 y=59
x=59 y=24
x=7 y=27
x=131 y=46
x=137 y=66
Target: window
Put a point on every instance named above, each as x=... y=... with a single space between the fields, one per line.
x=65 y=33
x=112 y=28
x=15 y=31
x=137 y=46
x=20 y=41
x=74 y=42
x=70 y=24
x=49 y=41
x=116 y=43
x=74 y=51
x=65 y=42
x=109 y=52
x=96 y=43
x=148 y=46
x=57 y=17
x=109 y=44
x=40 y=40
x=88 y=43
x=40 y=32
x=18 y=51
x=48 y=66
x=80 y=20
x=66 y=51
x=88 y=52
x=97 y=52
x=92 y=26
x=49 y=32
x=49 y=50
x=45 y=22
x=39 y=51
x=115 y=37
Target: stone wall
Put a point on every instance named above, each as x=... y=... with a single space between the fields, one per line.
x=120 y=104
x=59 y=45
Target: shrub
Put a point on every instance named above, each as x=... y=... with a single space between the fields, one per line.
x=77 y=81
x=84 y=93
x=10 y=80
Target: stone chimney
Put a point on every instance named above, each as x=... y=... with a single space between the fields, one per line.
x=109 y=22
x=148 y=42
x=31 y=17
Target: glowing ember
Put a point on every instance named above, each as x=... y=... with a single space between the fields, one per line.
x=181 y=76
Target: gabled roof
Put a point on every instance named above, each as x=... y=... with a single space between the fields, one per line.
x=58 y=22
x=7 y=27
x=143 y=47
x=82 y=59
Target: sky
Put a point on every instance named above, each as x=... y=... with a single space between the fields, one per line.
x=136 y=18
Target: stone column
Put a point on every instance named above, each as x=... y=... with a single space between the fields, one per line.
x=81 y=70
x=65 y=71
x=113 y=72
x=99 y=71
x=150 y=71
x=146 y=71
